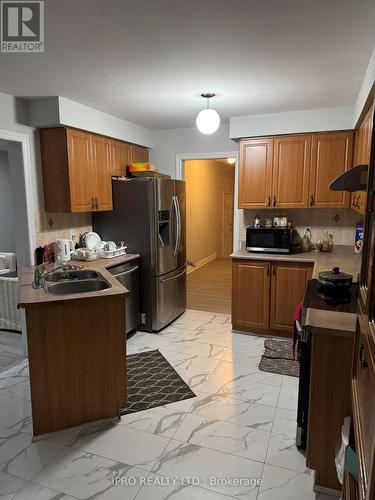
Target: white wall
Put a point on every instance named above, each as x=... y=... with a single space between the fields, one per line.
x=57 y=111
x=169 y=143
x=291 y=122
x=7 y=242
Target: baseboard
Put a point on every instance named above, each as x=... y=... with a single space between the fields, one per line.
x=202 y=262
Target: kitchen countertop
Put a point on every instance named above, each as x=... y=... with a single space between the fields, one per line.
x=342 y=256
x=30 y=296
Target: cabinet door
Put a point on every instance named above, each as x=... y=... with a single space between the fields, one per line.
x=101 y=157
x=81 y=172
x=250 y=295
x=288 y=283
x=255 y=173
x=121 y=157
x=139 y=154
x=331 y=156
x=291 y=169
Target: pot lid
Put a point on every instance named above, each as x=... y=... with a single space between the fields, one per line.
x=335 y=276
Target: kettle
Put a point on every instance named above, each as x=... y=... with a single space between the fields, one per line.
x=63 y=250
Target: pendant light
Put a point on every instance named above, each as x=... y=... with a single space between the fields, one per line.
x=208 y=120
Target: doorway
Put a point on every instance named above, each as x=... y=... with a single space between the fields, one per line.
x=17 y=240
x=209 y=232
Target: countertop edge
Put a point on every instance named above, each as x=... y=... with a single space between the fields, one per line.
x=343 y=256
x=40 y=297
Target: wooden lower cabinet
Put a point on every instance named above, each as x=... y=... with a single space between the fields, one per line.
x=288 y=285
x=77 y=374
x=250 y=295
x=331 y=359
x=265 y=295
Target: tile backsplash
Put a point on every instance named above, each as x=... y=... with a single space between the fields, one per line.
x=54 y=226
x=339 y=222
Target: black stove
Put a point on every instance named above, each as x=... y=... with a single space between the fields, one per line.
x=330 y=298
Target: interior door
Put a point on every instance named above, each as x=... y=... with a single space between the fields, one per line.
x=166 y=221
x=227 y=225
x=180 y=193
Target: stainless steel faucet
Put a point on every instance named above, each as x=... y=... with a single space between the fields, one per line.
x=39 y=274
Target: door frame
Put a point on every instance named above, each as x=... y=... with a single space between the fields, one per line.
x=223 y=218
x=180 y=175
x=23 y=140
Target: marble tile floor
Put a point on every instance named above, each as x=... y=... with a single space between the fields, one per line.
x=235 y=439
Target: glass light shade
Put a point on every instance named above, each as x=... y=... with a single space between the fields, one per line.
x=208 y=121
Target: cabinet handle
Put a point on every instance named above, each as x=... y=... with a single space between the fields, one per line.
x=96 y=203
x=274 y=269
x=312 y=200
x=362 y=359
x=92 y=203
x=269 y=201
x=274 y=201
x=268 y=269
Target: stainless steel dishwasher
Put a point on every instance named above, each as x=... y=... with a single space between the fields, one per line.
x=128 y=275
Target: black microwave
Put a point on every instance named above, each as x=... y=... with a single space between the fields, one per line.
x=272 y=239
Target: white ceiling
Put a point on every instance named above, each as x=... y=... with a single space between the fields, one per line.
x=148 y=61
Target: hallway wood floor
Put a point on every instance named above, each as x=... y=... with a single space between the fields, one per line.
x=209 y=288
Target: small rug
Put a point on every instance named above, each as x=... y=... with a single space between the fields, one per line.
x=152 y=381
x=278 y=358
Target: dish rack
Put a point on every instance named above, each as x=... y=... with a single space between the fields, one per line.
x=109 y=254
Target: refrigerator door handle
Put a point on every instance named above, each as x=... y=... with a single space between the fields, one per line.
x=176 y=218
x=178 y=244
x=164 y=280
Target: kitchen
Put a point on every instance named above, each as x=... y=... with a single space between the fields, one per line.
x=126 y=393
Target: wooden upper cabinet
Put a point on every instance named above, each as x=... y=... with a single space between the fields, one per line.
x=121 y=157
x=288 y=284
x=102 y=171
x=255 y=173
x=291 y=169
x=77 y=168
x=250 y=295
x=330 y=157
x=81 y=172
x=139 y=154
x=361 y=156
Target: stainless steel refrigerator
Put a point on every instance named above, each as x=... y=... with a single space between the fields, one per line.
x=149 y=215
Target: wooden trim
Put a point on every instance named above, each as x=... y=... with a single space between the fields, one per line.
x=202 y=262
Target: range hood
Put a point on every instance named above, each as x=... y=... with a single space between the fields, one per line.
x=354 y=179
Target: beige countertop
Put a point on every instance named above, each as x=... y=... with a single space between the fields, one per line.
x=330 y=322
x=30 y=296
x=342 y=256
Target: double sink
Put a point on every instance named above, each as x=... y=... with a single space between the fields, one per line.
x=61 y=282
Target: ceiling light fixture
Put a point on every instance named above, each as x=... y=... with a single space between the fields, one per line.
x=208 y=120
x=231 y=161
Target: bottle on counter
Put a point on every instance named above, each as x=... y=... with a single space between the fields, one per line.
x=325 y=242
x=306 y=240
x=330 y=243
